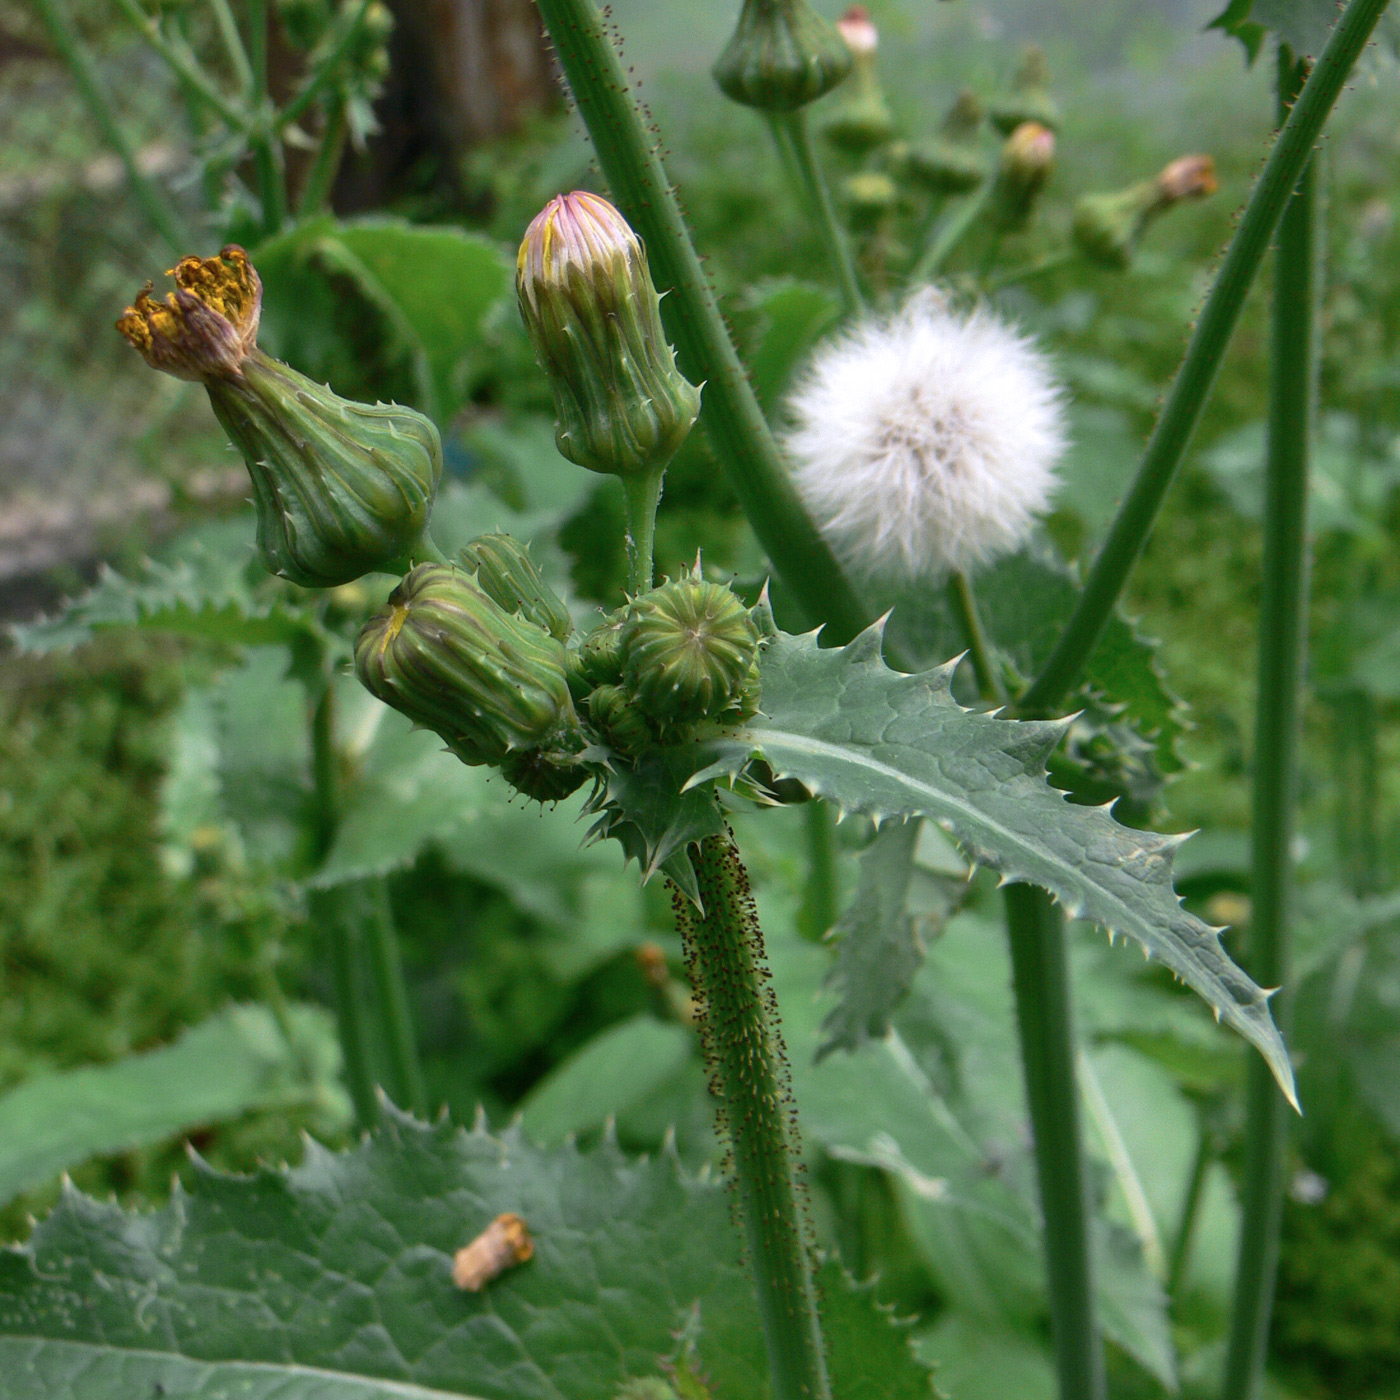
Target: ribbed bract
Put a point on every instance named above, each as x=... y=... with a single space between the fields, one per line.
x=341 y=488
x=492 y=684
x=689 y=649
x=503 y=568
x=781 y=56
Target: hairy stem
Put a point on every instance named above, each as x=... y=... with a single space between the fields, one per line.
x=1040 y=978
x=817 y=196
x=75 y=56
x=1196 y=377
x=627 y=153
x=1282 y=634
x=964 y=605
x=748 y=1073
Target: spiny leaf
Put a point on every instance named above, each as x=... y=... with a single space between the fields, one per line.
x=198 y=596
x=873 y=741
x=877 y=952
x=334 y=1280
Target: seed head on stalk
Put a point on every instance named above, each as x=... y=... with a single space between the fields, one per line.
x=926 y=442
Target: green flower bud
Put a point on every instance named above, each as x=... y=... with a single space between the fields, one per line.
x=782 y=56
x=341 y=488
x=601 y=657
x=864 y=120
x=1107 y=227
x=689 y=648
x=493 y=685
x=504 y=569
x=544 y=774
x=1029 y=99
x=621 y=405
x=868 y=196
x=616 y=717
x=950 y=162
x=1025 y=164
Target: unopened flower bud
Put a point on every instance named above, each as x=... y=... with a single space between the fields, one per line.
x=950 y=162
x=868 y=196
x=492 y=684
x=863 y=121
x=504 y=569
x=689 y=647
x=1026 y=159
x=616 y=716
x=1029 y=99
x=1107 y=227
x=621 y=405
x=341 y=488
x=782 y=56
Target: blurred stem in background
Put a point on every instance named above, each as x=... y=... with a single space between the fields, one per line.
x=1293 y=360
x=73 y=52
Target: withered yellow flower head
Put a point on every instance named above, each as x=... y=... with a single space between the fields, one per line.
x=207 y=326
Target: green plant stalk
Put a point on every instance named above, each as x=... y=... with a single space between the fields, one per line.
x=964 y=605
x=350 y=917
x=1040 y=978
x=1194 y=380
x=75 y=56
x=748 y=1072
x=186 y=67
x=640 y=497
x=1293 y=360
x=627 y=153
x=331 y=913
x=391 y=994
x=315 y=193
x=818 y=912
x=325 y=70
x=1190 y=1212
x=951 y=232
x=1027 y=270
x=267 y=149
x=816 y=194
x=233 y=45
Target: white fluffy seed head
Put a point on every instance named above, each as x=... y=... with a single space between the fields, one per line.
x=927 y=441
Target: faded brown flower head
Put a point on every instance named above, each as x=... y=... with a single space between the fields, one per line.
x=1187 y=177
x=207 y=326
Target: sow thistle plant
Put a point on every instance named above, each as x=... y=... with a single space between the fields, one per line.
x=919 y=447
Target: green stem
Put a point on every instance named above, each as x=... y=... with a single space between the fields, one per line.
x=817 y=196
x=332 y=912
x=964 y=605
x=317 y=190
x=324 y=774
x=640 y=497
x=1194 y=380
x=1282 y=633
x=1190 y=1213
x=325 y=71
x=79 y=62
x=267 y=149
x=627 y=152
x=1040 y=978
x=391 y=995
x=818 y=912
x=748 y=1071
x=951 y=232
x=185 y=67
x=1027 y=270
x=233 y=45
